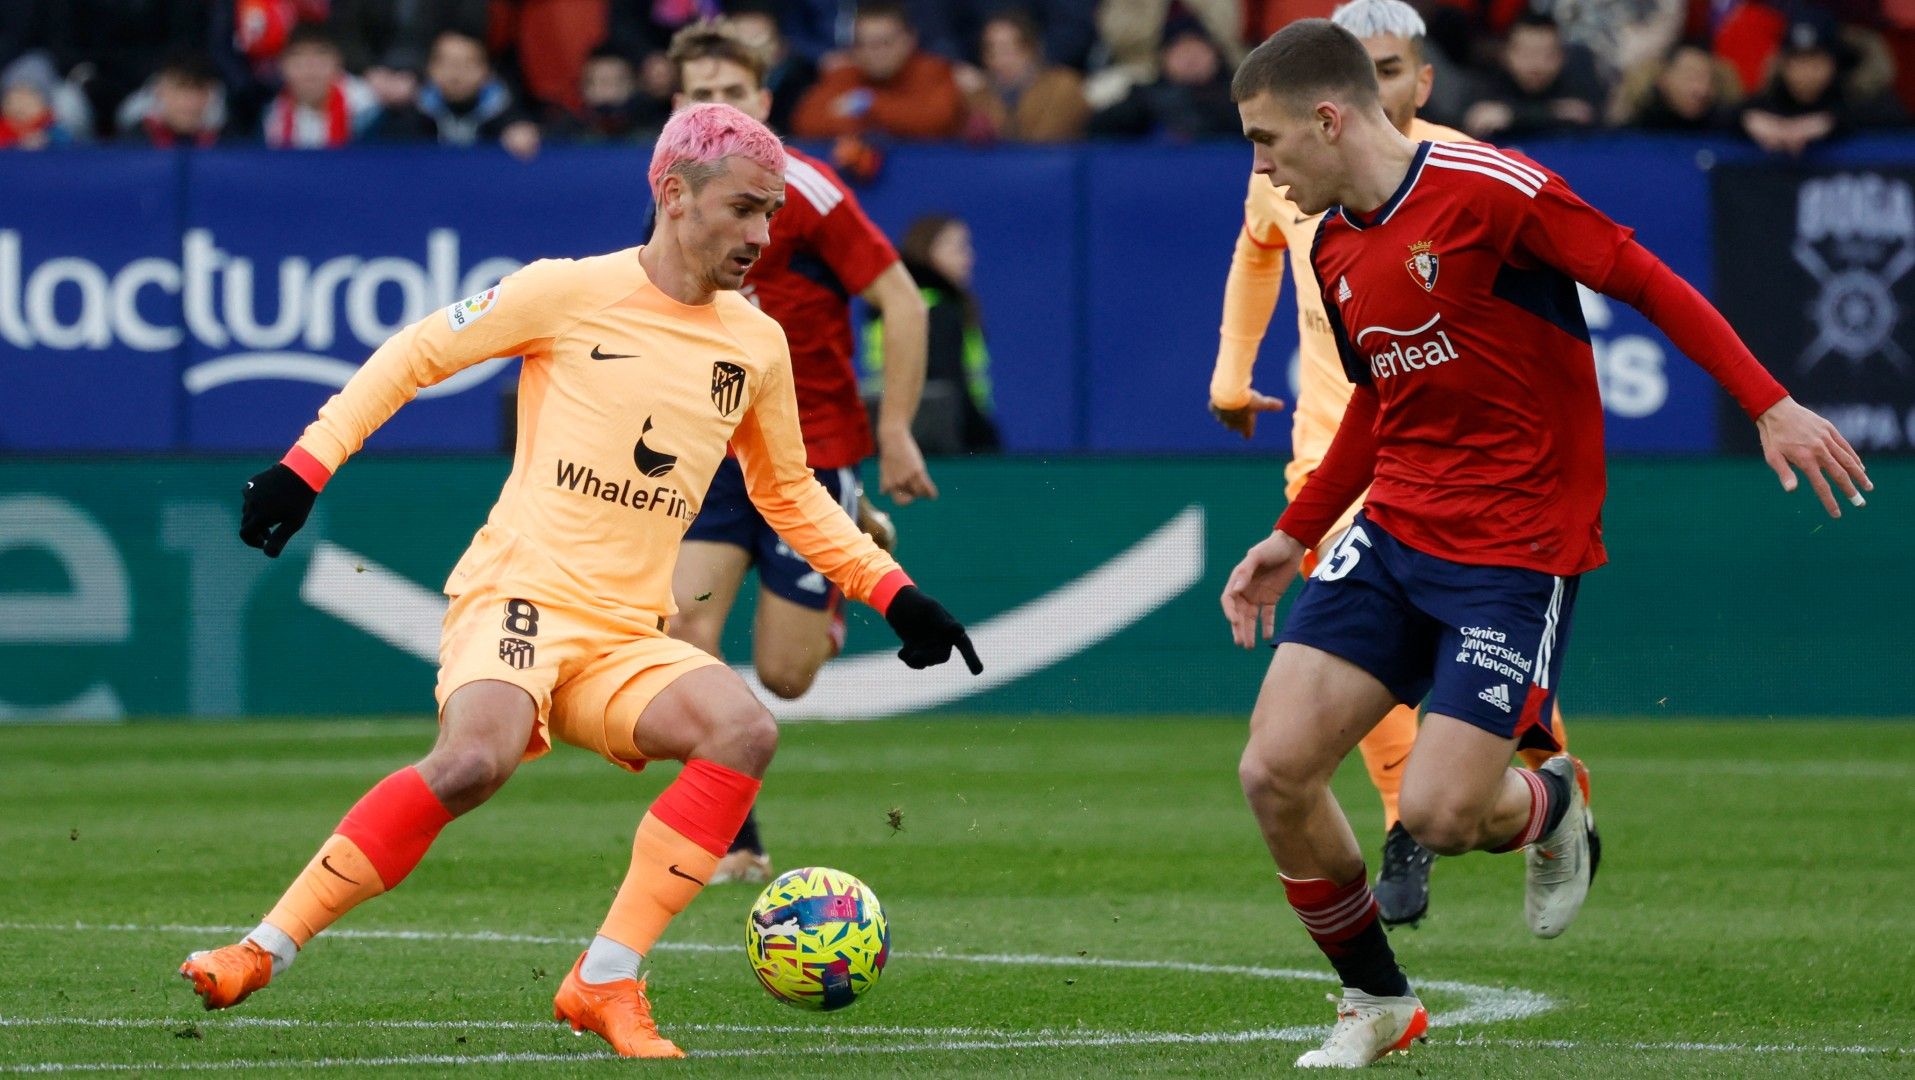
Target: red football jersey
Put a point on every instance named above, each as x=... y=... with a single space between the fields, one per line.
x=824 y=251
x=1455 y=308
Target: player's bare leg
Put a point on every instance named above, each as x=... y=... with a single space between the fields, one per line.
x=709 y=719
x=1462 y=795
x=1311 y=712
x=483 y=732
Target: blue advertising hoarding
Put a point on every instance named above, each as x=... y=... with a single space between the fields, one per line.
x=90 y=292
x=154 y=300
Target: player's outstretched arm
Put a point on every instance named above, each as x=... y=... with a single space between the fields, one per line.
x=1251 y=593
x=902 y=474
x=502 y=321
x=1249 y=298
x=1793 y=435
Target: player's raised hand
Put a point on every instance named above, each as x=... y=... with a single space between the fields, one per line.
x=1251 y=593
x=1243 y=420
x=928 y=631
x=1794 y=436
x=902 y=474
x=273 y=508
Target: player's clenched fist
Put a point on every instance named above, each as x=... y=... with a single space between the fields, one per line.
x=928 y=631
x=276 y=504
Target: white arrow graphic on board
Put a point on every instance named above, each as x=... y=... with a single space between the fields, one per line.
x=1015 y=643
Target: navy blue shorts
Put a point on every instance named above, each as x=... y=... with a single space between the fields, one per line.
x=1481 y=643
x=728 y=517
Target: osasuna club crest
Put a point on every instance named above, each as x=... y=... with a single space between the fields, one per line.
x=727 y=387
x=1423 y=265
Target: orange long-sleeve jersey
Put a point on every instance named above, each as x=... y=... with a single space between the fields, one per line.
x=627 y=399
x=1272 y=225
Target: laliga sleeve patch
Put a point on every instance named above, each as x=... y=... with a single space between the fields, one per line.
x=472 y=308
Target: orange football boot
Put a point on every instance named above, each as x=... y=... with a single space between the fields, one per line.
x=223 y=977
x=616 y=1011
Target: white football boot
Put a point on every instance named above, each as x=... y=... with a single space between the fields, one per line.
x=1559 y=861
x=1368 y=1028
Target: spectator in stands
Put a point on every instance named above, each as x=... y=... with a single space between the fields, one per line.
x=1537 y=90
x=1017 y=97
x=183 y=106
x=398 y=36
x=1065 y=29
x=957 y=414
x=550 y=40
x=27 y=121
x=111 y=47
x=1618 y=34
x=1132 y=33
x=891 y=87
x=1806 y=100
x=1689 y=89
x=463 y=103
x=615 y=110
x=788 y=72
x=320 y=106
x=71 y=114
x=1190 y=98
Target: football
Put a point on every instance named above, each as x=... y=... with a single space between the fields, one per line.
x=817 y=939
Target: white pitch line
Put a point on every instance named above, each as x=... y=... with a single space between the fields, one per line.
x=1006 y=1041
x=216 y=1023
x=1482 y=1004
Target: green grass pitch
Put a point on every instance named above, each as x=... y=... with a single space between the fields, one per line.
x=1068 y=897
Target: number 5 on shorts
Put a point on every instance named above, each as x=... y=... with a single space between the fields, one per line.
x=1345 y=555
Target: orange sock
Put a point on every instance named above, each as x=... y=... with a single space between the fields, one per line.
x=378 y=843
x=1386 y=749
x=679 y=843
x=338 y=879
x=1534 y=758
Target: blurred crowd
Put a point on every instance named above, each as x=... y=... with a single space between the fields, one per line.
x=521 y=73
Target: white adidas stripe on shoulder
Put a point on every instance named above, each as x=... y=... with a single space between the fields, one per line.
x=821 y=193
x=1495 y=171
x=1481 y=152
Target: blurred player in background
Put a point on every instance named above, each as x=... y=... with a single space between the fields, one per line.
x=1448 y=275
x=640 y=367
x=1392 y=32
x=823 y=251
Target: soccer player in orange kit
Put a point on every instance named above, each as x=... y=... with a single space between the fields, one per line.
x=1392 y=32
x=639 y=367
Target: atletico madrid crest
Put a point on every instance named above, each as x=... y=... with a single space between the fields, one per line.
x=1422 y=264
x=727 y=387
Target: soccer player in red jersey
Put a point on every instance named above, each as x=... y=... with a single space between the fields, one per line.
x=823 y=251
x=1448 y=273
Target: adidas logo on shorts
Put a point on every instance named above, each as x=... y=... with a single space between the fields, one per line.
x=1497 y=695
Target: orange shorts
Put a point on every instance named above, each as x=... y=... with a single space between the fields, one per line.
x=571 y=660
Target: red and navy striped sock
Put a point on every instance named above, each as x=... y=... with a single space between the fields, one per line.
x=1342 y=920
x=1548 y=802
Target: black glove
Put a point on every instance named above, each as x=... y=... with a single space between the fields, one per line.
x=276 y=504
x=928 y=631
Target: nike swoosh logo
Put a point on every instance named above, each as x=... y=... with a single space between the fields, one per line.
x=1302 y=218
x=676 y=872
x=1391 y=767
x=597 y=355
x=326 y=861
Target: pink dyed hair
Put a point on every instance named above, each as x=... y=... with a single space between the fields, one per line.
x=698 y=138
